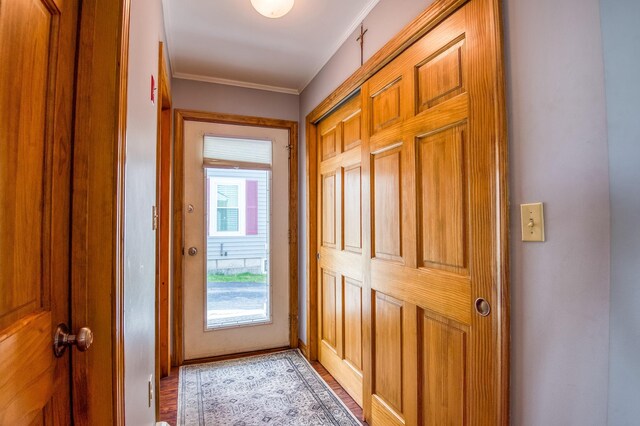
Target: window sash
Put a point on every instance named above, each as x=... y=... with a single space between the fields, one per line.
x=214 y=220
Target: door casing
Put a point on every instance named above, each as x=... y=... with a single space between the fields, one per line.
x=178 y=221
x=163 y=226
x=98 y=210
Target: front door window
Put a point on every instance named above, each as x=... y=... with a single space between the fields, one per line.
x=237 y=275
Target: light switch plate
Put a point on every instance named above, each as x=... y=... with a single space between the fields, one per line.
x=532 y=218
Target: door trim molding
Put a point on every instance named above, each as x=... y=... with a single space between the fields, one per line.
x=182 y=115
x=164 y=172
x=97 y=266
x=121 y=149
x=421 y=25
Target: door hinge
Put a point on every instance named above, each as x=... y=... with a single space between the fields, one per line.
x=154 y=218
x=289 y=148
x=150 y=389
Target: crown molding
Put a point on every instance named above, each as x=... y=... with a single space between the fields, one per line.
x=236 y=83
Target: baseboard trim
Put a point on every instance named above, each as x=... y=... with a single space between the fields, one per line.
x=233 y=356
x=303 y=348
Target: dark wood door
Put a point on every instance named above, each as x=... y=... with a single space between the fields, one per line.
x=37 y=53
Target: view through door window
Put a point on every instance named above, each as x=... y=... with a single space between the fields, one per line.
x=238 y=232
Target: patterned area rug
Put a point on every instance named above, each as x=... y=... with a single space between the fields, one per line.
x=275 y=390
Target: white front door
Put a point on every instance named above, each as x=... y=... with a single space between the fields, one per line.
x=236 y=263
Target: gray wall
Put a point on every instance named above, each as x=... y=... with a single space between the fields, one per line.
x=140 y=195
x=621 y=39
x=558 y=154
x=211 y=97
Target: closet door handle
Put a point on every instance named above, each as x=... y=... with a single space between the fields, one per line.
x=483 y=307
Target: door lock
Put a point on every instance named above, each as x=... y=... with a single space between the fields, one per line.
x=63 y=338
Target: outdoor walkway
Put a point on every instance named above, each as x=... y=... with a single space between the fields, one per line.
x=236 y=302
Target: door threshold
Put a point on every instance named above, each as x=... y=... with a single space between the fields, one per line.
x=235 y=356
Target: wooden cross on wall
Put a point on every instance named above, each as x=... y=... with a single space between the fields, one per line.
x=361 y=40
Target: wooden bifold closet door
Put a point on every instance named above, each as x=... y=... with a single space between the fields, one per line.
x=410 y=287
x=340 y=260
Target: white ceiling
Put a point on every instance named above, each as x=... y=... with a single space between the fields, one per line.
x=228 y=42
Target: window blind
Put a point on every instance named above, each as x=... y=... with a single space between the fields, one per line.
x=240 y=150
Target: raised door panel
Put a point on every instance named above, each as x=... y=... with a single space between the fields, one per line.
x=388 y=351
x=353 y=323
x=329 y=308
x=27 y=385
x=329 y=144
x=352 y=132
x=444 y=360
x=386 y=106
x=442 y=195
x=329 y=210
x=387 y=205
x=352 y=207
x=23 y=154
x=440 y=77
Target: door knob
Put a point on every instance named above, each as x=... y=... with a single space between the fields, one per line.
x=63 y=338
x=192 y=251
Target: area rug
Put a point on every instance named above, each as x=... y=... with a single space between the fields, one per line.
x=275 y=389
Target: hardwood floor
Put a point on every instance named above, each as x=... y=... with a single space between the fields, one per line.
x=169 y=395
x=339 y=390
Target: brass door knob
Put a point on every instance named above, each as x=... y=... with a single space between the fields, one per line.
x=192 y=251
x=62 y=339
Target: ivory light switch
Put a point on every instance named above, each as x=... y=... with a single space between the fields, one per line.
x=532 y=216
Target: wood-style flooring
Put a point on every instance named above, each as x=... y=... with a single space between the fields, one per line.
x=169 y=394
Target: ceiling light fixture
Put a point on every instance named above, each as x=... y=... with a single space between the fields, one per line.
x=272 y=8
